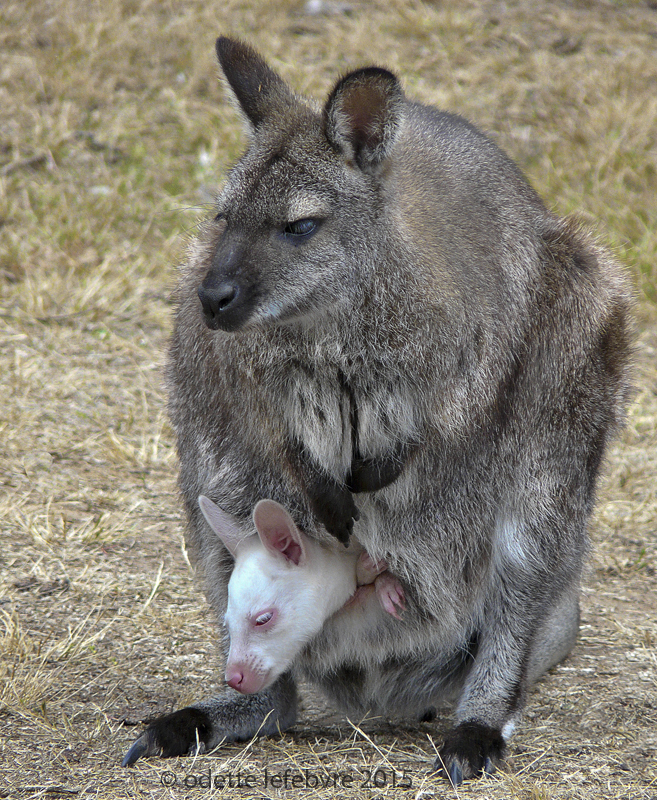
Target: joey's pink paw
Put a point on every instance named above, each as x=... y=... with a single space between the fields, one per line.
x=367 y=568
x=390 y=594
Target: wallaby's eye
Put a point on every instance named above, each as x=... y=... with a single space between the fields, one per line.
x=263 y=619
x=300 y=229
x=219 y=216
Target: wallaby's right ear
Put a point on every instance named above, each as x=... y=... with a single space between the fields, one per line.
x=363 y=115
x=222 y=524
x=258 y=89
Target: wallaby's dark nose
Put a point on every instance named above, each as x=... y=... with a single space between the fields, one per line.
x=217 y=299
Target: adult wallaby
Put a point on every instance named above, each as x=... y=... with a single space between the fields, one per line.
x=283 y=587
x=384 y=329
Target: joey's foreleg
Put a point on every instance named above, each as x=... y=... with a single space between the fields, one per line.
x=388 y=589
x=391 y=594
x=231 y=717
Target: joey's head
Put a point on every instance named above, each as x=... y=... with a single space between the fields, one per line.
x=284 y=586
x=299 y=213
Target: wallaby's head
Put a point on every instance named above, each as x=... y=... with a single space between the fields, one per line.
x=284 y=586
x=299 y=210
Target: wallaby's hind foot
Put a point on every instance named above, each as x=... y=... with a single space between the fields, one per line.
x=470 y=750
x=177 y=734
x=231 y=717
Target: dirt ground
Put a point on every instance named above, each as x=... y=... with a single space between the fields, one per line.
x=114 y=136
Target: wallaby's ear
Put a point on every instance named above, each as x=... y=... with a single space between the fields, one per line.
x=363 y=115
x=222 y=524
x=278 y=532
x=257 y=88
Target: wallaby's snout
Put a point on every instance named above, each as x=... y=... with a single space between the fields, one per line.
x=227 y=296
x=244 y=679
x=221 y=300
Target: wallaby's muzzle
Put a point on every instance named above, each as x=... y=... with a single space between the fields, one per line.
x=228 y=293
x=220 y=300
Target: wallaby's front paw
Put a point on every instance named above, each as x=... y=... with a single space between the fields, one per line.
x=337 y=512
x=370 y=475
x=470 y=750
x=172 y=735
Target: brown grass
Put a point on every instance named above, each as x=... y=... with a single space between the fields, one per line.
x=113 y=138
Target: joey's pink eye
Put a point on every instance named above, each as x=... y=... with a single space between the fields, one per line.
x=263 y=619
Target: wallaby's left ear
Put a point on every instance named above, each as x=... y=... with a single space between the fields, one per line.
x=363 y=115
x=278 y=532
x=259 y=90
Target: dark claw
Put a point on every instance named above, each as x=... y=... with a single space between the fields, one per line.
x=138 y=749
x=471 y=749
x=489 y=766
x=173 y=734
x=455 y=775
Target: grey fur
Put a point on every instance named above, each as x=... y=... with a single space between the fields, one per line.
x=439 y=364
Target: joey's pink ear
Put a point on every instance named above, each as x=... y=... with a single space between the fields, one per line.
x=222 y=523
x=278 y=532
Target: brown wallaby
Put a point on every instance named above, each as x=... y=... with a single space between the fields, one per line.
x=383 y=329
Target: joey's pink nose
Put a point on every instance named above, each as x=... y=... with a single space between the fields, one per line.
x=235 y=678
x=244 y=678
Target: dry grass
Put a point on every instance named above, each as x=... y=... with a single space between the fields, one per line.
x=113 y=136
